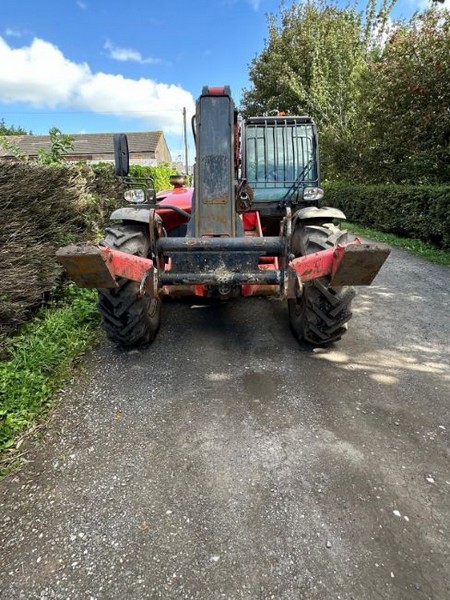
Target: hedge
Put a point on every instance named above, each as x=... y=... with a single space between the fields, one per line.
x=42 y=208
x=161 y=175
x=421 y=212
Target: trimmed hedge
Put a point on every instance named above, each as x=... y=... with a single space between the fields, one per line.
x=161 y=175
x=42 y=208
x=421 y=212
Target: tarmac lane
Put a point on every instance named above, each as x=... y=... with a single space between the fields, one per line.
x=228 y=461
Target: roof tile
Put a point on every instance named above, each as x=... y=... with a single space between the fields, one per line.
x=87 y=143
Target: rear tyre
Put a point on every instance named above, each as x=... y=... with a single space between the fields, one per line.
x=128 y=318
x=321 y=313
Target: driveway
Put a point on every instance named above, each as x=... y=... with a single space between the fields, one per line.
x=228 y=461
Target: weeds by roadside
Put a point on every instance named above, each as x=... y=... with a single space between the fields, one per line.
x=38 y=361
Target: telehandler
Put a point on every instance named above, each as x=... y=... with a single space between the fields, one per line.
x=251 y=225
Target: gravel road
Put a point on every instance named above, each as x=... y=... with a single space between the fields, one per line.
x=227 y=461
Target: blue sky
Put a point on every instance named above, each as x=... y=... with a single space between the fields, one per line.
x=107 y=65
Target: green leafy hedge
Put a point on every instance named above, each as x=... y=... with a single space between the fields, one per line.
x=421 y=212
x=161 y=175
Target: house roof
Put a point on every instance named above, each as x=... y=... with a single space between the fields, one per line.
x=87 y=143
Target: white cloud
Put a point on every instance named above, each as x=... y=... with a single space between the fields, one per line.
x=82 y=5
x=41 y=75
x=255 y=4
x=128 y=54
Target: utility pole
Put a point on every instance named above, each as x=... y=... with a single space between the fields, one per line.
x=186 y=160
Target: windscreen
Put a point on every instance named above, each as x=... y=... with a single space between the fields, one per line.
x=279 y=158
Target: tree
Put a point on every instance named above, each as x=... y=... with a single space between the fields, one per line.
x=406 y=103
x=312 y=64
x=11 y=130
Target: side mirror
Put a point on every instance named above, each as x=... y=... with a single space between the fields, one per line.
x=121 y=155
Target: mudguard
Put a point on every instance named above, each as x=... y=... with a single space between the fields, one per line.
x=128 y=213
x=312 y=212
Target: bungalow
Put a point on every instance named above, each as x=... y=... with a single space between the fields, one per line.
x=146 y=147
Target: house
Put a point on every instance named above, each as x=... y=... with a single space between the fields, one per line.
x=146 y=147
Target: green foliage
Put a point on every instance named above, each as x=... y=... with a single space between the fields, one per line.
x=40 y=358
x=405 y=104
x=11 y=129
x=379 y=91
x=312 y=64
x=421 y=212
x=60 y=145
x=44 y=207
x=160 y=174
x=12 y=148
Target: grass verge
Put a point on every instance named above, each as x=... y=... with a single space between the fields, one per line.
x=39 y=360
x=417 y=247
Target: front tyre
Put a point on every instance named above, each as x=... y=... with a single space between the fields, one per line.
x=320 y=313
x=128 y=318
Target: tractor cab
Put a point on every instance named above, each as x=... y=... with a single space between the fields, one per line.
x=280 y=160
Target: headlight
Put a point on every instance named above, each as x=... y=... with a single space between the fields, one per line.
x=135 y=196
x=312 y=193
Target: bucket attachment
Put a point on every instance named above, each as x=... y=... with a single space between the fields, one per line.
x=98 y=266
x=360 y=264
x=86 y=266
x=349 y=264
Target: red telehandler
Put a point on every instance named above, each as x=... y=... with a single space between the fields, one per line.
x=251 y=225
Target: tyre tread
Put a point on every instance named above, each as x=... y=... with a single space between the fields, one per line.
x=324 y=311
x=127 y=318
